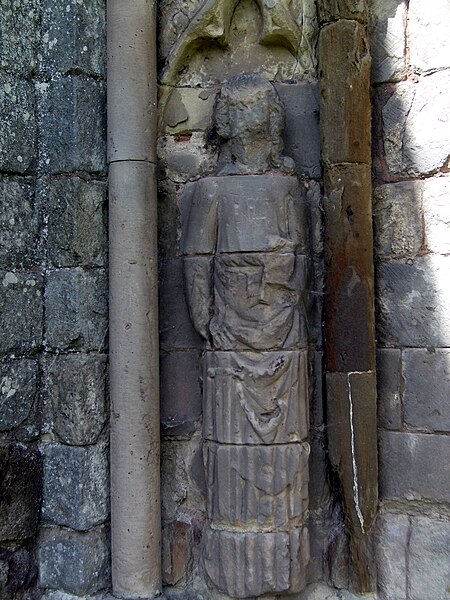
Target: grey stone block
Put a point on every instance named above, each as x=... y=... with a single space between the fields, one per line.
x=319 y=487
x=76 y=227
x=436 y=208
x=72 y=36
x=244 y=565
x=20 y=221
x=426 y=397
x=18 y=35
x=414 y=466
x=413 y=144
x=397 y=213
x=71 y=117
x=257 y=487
x=175 y=326
x=183 y=157
x=76 y=309
x=389 y=372
x=428 y=34
x=21 y=310
x=388 y=40
x=75 y=397
x=188 y=110
x=413 y=307
x=392 y=538
x=76 y=484
x=18 y=391
x=167 y=220
x=77 y=563
x=302 y=133
x=17 y=573
x=17 y=124
x=181 y=397
x=429 y=559
x=20 y=492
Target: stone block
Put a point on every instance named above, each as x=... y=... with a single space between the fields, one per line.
x=18 y=36
x=76 y=309
x=244 y=565
x=413 y=144
x=429 y=559
x=167 y=220
x=76 y=484
x=72 y=37
x=413 y=308
x=397 y=215
x=186 y=156
x=428 y=34
x=302 y=131
x=21 y=310
x=20 y=492
x=345 y=109
x=18 y=573
x=188 y=110
x=391 y=544
x=389 y=373
x=254 y=398
x=176 y=551
x=75 y=397
x=18 y=391
x=175 y=325
x=426 y=398
x=71 y=118
x=181 y=396
x=17 y=124
x=261 y=488
x=77 y=225
x=77 y=563
x=436 y=208
x=319 y=487
x=388 y=40
x=332 y=10
x=414 y=466
x=20 y=221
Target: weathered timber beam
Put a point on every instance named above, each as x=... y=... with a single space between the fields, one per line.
x=344 y=63
x=134 y=347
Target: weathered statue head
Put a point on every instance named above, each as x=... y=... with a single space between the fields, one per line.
x=249 y=118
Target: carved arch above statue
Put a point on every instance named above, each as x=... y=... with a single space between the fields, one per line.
x=287 y=23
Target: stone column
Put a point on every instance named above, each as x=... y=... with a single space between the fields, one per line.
x=134 y=365
x=344 y=62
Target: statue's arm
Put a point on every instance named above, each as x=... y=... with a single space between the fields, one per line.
x=198 y=289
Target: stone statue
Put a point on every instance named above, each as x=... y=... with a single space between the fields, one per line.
x=245 y=246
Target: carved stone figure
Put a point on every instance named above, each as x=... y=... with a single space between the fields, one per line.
x=245 y=241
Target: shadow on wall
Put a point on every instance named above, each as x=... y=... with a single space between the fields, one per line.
x=412 y=247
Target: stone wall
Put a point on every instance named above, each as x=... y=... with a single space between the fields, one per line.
x=411 y=84
x=53 y=298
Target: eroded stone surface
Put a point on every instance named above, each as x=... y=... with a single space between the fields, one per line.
x=436 y=208
x=392 y=538
x=21 y=311
x=250 y=564
x=414 y=466
x=77 y=563
x=18 y=391
x=429 y=563
x=18 y=35
x=429 y=42
x=389 y=373
x=76 y=309
x=19 y=223
x=71 y=116
x=413 y=302
x=76 y=227
x=426 y=401
x=272 y=389
x=20 y=492
x=17 y=124
x=388 y=40
x=257 y=487
x=75 y=397
x=398 y=219
x=73 y=37
x=76 y=490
